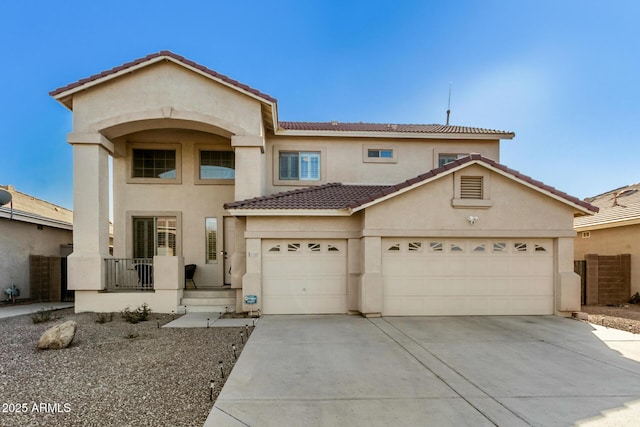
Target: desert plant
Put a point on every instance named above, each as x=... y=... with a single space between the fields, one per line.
x=104 y=317
x=140 y=314
x=42 y=316
x=131 y=335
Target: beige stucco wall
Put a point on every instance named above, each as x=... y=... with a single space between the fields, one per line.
x=516 y=211
x=190 y=201
x=18 y=240
x=163 y=91
x=613 y=241
x=343 y=158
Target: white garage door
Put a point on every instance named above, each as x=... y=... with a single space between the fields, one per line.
x=467 y=276
x=304 y=276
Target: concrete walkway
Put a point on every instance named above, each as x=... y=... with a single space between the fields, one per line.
x=20 y=309
x=444 y=371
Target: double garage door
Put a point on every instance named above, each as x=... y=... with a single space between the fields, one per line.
x=420 y=276
x=467 y=276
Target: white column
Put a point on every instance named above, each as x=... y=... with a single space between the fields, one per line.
x=90 y=211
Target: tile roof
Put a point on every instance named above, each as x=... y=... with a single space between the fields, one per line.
x=621 y=204
x=389 y=127
x=345 y=196
x=327 y=196
x=167 y=54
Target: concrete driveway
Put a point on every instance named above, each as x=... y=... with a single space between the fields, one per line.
x=440 y=371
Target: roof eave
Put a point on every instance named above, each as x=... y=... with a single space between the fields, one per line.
x=65 y=97
x=577 y=208
x=607 y=224
x=239 y=212
x=383 y=134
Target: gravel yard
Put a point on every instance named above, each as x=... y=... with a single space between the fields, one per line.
x=625 y=317
x=115 y=373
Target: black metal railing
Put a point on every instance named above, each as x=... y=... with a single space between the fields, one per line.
x=129 y=274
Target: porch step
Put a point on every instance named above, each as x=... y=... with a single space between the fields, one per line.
x=231 y=302
x=208 y=301
x=197 y=293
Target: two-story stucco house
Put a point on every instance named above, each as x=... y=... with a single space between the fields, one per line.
x=377 y=219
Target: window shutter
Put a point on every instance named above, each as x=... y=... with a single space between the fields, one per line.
x=471 y=187
x=310 y=166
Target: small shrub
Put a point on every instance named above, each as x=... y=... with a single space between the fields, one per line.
x=104 y=317
x=140 y=314
x=42 y=316
x=143 y=312
x=131 y=335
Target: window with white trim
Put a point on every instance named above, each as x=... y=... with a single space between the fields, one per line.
x=299 y=165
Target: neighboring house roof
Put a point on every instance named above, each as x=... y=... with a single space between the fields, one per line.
x=64 y=95
x=352 y=198
x=339 y=127
x=30 y=209
x=618 y=207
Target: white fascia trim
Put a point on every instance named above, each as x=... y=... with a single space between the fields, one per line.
x=380 y=134
x=607 y=224
x=34 y=219
x=153 y=61
x=289 y=212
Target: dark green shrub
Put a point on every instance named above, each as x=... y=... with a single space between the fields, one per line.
x=42 y=316
x=140 y=314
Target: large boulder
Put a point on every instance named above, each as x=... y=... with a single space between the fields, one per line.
x=59 y=336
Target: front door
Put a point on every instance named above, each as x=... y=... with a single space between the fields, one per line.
x=229 y=230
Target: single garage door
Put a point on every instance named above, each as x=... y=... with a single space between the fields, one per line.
x=304 y=276
x=467 y=276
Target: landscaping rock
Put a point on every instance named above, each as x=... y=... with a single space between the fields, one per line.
x=59 y=336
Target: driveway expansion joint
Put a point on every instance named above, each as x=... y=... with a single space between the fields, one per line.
x=467 y=398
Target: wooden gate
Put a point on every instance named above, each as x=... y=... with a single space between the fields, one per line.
x=45 y=278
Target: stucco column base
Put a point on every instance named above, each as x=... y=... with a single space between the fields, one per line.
x=85 y=272
x=168 y=272
x=371 y=300
x=568 y=294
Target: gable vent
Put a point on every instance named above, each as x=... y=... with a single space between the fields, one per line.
x=471 y=187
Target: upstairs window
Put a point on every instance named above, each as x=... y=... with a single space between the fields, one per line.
x=443 y=159
x=154 y=164
x=379 y=153
x=299 y=166
x=217 y=165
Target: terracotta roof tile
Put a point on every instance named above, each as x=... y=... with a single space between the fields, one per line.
x=162 y=53
x=390 y=127
x=341 y=196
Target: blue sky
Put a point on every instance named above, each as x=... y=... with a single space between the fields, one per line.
x=562 y=75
